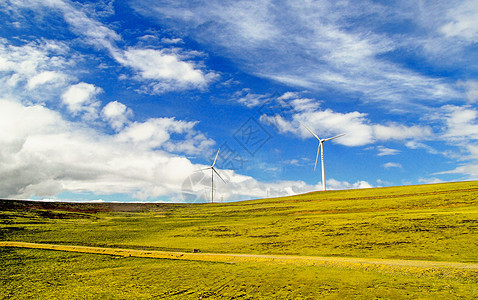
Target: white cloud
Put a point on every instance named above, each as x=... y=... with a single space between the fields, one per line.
x=460 y=135
x=42 y=155
x=333 y=184
x=464 y=22
x=400 y=132
x=172 y=41
x=249 y=99
x=45 y=78
x=42 y=66
x=383 y=151
x=166 y=70
x=81 y=99
x=325 y=123
x=392 y=165
x=197 y=187
x=430 y=180
x=419 y=145
x=471 y=90
x=383 y=182
x=293 y=162
x=329 y=123
x=156 y=133
x=160 y=70
x=194 y=144
x=470 y=170
x=461 y=122
x=116 y=114
x=316 y=45
x=92 y=31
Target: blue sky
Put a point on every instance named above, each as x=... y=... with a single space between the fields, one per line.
x=126 y=100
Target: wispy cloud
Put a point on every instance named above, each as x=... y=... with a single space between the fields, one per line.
x=462 y=22
x=383 y=151
x=249 y=99
x=471 y=90
x=390 y=165
x=460 y=131
x=158 y=70
x=311 y=44
x=430 y=180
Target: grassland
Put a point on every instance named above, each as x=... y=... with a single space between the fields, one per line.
x=33 y=273
x=428 y=222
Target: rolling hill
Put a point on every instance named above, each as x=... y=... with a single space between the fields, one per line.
x=433 y=223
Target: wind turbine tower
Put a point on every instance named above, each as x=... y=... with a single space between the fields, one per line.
x=321 y=149
x=213 y=170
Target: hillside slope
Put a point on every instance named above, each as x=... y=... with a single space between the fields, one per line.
x=428 y=222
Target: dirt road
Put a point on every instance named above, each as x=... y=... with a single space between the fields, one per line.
x=414 y=266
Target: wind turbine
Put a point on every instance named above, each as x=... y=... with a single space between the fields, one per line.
x=321 y=149
x=213 y=170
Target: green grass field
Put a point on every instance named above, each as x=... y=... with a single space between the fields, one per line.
x=427 y=222
x=59 y=275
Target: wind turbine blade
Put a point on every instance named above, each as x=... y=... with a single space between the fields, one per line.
x=218 y=175
x=202 y=169
x=337 y=136
x=310 y=131
x=215 y=158
x=317 y=158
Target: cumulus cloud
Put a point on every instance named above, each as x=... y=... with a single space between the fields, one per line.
x=197 y=187
x=460 y=130
x=166 y=70
x=333 y=184
x=157 y=132
x=46 y=77
x=81 y=99
x=461 y=122
x=42 y=154
x=195 y=143
x=116 y=114
x=153 y=132
x=42 y=66
x=358 y=128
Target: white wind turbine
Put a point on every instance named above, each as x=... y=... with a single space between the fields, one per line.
x=213 y=170
x=321 y=149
